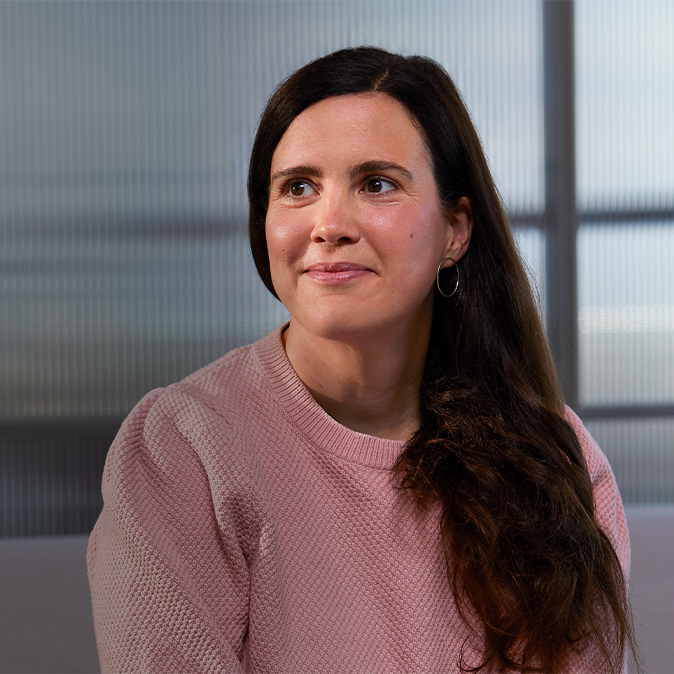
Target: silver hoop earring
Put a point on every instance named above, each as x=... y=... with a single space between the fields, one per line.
x=437 y=277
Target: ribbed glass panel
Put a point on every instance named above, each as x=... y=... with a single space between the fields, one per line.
x=626 y=317
x=50 y=482
x=125 y=129
x=625 y=186
x=625 y=104
x=103 y=319
x=531 y=243
x=641 y=453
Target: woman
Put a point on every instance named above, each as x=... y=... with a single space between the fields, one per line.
x=391 y=482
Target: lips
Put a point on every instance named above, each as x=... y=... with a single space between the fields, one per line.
x=336 y=272
x=335 y=267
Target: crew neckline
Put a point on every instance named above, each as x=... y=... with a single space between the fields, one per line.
x=311 y=419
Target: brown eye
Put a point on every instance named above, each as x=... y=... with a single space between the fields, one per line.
x=298 y=188
x=377 y=185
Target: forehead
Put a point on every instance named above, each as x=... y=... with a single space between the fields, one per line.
x=354 y=127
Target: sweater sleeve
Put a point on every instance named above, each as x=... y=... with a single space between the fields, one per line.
x=169 y=590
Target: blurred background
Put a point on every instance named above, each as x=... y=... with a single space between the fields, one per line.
x=125 y=129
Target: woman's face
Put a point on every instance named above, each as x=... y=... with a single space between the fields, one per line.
x=355 y=229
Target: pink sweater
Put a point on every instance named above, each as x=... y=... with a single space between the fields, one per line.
x=245 y=530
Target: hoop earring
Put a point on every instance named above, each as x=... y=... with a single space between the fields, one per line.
x=437 y=277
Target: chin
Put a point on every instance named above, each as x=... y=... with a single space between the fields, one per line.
x=350 y=326
x=335 y=328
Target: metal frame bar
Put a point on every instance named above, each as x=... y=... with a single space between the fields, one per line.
x=601 y=217
x=561 y=218
x=626 y=411
x=58 y=427
x=64 y=427
x=590 y=218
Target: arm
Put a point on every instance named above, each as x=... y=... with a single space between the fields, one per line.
x=169 y=587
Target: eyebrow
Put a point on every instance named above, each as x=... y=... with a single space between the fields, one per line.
x=297 y=171
x=379 y=167
x=355 y=171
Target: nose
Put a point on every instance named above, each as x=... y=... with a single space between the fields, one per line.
x=335 y=222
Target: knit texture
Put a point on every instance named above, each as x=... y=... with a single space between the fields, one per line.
x=245 y=530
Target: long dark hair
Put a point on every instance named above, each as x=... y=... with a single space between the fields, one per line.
x=524 y=550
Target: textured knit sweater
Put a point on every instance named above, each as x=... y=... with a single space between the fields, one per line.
x=246 y=530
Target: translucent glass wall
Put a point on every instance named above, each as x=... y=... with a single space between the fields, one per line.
x=625 y=153
x=125 y=129
x=626 y=319
x=625 y=104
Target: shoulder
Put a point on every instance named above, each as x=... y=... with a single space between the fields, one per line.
x=226 y=389
x=188 y=453
x=609 y=510
x=597 y=463
x=177 y=411
x=204 y=417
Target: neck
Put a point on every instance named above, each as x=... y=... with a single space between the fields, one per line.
x=368 y=386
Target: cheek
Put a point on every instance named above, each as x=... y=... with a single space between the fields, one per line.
x=277 y=241
x=282 y=251
x=421 y=251
x=283 y=235
x=428 y=239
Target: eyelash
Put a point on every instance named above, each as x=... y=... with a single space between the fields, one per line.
x=296 y=181
x=381 y=179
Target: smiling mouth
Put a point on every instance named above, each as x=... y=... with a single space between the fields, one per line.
x=336 y=272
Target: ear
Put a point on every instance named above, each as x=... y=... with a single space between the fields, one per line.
x=460 y=228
